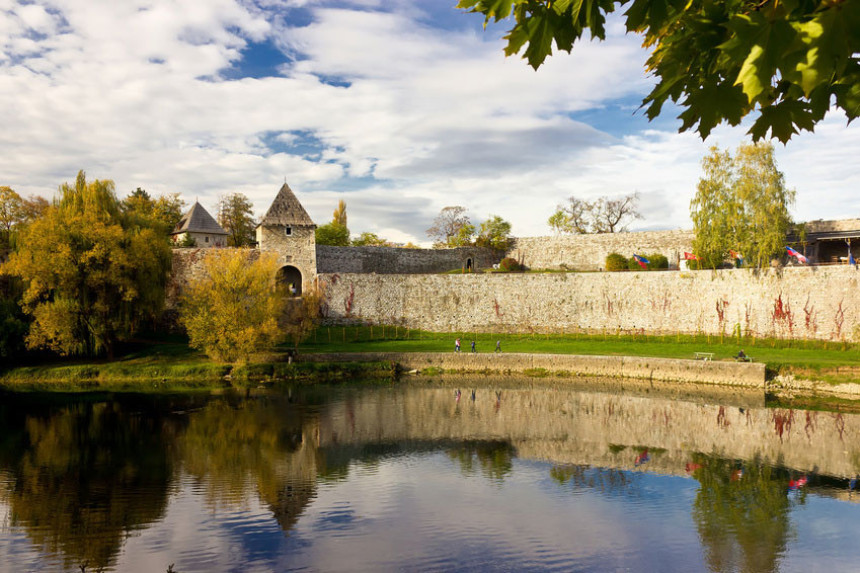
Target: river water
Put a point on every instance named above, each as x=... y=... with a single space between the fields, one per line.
x=460 y=475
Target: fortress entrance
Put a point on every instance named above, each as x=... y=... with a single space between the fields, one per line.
x=291 y=277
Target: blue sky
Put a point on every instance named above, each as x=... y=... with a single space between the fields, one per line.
x=398 y=107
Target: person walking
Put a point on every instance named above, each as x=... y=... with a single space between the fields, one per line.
x=474 y=351
x=457 y=345
x=498 y=346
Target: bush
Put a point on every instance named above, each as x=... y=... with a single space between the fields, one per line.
x=657 y=261
x=509 y=265
x=633 y=264
x=616 y=262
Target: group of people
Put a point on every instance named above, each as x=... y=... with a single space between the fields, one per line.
x=474 y=346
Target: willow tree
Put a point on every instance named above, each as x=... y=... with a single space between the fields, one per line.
x=741 y=205
x=92 y=275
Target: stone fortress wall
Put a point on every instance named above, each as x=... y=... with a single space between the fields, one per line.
x=391 y=260
x=794 y=302
x=404 y=286
x=588 y=252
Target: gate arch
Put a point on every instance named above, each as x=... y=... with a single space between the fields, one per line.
x=291 y=277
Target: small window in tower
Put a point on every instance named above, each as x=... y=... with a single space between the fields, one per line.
x=288 y=230
x=207 y=239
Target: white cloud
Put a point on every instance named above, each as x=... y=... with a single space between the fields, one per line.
x=405 y=117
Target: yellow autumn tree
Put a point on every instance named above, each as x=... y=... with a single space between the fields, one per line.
x=92 y=276
x=234 y=310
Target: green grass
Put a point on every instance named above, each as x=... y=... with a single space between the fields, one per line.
x=834 y=362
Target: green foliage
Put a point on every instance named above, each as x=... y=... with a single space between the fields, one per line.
x=509 y=265
x=367 y=239
x=234 y=309
x=187 y=242
x=719 y=61
x=162 y=214
x=741 y=204
x=332 y=234
x=616 y=262
x=93 y=275
x=657 y=261
x=14 y=324
x=236 y=215
x=495 y=234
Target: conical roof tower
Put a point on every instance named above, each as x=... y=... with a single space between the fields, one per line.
x=286 y=210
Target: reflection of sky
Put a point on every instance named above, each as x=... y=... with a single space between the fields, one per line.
x=423 y=512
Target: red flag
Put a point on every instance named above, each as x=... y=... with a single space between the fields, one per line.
x=690 y=256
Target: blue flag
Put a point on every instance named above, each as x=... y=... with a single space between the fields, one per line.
x=850 y=257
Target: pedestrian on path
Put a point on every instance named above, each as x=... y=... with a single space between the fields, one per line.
x=457 y=345
x=474 y=351
x=498 y=346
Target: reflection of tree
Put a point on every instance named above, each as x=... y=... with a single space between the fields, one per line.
x=741 y=514
x=605 y=480
x=84 y=476
x=493 y=457
x=242 y=447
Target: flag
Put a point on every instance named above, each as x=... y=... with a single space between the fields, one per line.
x=690 y=256
x=796 y=255
x=735 y=255
x=851 y=258
x=643 y=262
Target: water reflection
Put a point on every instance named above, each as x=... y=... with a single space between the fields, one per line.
x=80 y=477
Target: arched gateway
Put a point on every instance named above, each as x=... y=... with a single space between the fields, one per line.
x=291 y=277
x=287 y=230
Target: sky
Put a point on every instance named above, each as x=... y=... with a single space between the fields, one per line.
x=400 y=108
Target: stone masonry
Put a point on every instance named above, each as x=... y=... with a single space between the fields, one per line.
x=798 y=302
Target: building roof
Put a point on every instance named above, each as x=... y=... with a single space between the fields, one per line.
x=286 y=210
x=198 y=220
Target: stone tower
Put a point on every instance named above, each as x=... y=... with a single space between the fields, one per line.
x=287 y=230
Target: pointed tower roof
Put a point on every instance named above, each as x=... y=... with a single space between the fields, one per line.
x=286 y=210
x=198 y=220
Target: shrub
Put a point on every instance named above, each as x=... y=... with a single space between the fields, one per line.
x=616 y=262
x=508 y=265
x=657 y=261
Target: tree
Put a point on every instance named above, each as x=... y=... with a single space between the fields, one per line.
x=302 y=314
x=236 y=215
x=233 y=310
x=339 y=215
x=572 y=217
x=92 y=275
x=604 y=215
x=741 y=205
x=614 y=215
x=451 y=228
x=370 y=240
x=332 y=234
x=495 y=234
x=719 y=61
x=162 y=213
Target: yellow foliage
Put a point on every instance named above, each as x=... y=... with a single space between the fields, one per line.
x=233 y=311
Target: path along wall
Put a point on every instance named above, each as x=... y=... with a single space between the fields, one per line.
x=588 y=252
x=798 y=302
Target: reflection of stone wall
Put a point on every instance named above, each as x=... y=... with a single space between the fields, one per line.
x=798 y=302
x=600 y=429
x=588 y=252
x=389 y=260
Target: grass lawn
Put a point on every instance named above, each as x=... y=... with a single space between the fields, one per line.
x=832 y=361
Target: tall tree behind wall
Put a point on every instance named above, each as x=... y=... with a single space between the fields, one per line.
x=741 y=205
x=236 y=215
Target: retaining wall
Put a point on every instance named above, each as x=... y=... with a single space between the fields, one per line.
x=390 y=260
x=649 y=368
